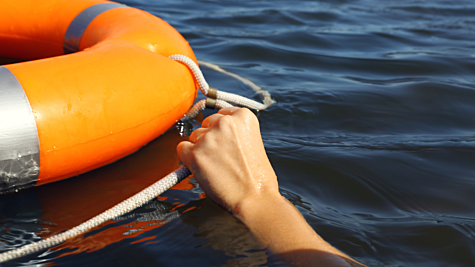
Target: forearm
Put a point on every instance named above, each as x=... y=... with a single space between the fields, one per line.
x=278 y=225
x=229 y=161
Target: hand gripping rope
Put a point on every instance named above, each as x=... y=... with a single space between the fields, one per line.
x=215 y=98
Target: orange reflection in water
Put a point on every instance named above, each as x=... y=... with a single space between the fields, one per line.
x=106 y=237
x=68 y=203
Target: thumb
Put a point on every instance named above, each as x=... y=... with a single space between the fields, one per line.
x=184 y=150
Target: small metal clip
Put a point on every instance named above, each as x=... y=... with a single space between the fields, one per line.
x=185 y=127
x=210 y=103
x=212 y=93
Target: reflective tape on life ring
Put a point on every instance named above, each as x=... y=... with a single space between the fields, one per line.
x=77 y=27
x=92 y=107
x=19 y=145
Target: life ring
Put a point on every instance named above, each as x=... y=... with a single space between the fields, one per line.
x=67 y=113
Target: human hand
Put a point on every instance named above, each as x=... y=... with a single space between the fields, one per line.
x=229 y=162
x=228 y=159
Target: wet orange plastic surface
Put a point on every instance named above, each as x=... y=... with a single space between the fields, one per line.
x=106 y=101
x=32 y=29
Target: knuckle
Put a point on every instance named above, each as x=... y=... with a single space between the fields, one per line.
x=226 y=120
x=248 y=116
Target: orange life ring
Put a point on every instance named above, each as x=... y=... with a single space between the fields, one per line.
x=90 y=108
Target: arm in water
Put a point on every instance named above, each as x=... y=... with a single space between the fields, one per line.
x=228 y=159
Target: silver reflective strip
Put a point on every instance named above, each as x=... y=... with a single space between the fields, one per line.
x=73 y=35
x=19 y=145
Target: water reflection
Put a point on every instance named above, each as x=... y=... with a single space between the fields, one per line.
x=223 y=232
x=371 y=136
x=47 y=210
x=44 y=211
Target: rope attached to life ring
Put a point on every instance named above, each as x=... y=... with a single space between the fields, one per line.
x=220 y=100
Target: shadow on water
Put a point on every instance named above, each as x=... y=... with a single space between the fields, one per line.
x=372 y=137
x=41 y=212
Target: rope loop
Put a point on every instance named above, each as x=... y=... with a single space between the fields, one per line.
x=222 y=98
x=204 y=87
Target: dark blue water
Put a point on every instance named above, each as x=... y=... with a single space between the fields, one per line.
x=372 y=137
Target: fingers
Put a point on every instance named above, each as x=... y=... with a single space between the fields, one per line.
x=228 y=111
x=197 y=134
x=211 y=120
x=205 y=126
x=184 y=149
x=241 y=113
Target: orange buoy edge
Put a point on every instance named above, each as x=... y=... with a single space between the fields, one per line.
x=117 y=93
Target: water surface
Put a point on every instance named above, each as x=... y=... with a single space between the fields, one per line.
x=372 y=137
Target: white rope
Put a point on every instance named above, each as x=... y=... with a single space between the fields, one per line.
x=266 y=97
x=200 y=105
x=240 y=100
x=120 y=209
x=150 y=192
x=221 y=97
x=204 y=87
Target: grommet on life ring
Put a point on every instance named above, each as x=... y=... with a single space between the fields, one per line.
x=68 y=113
